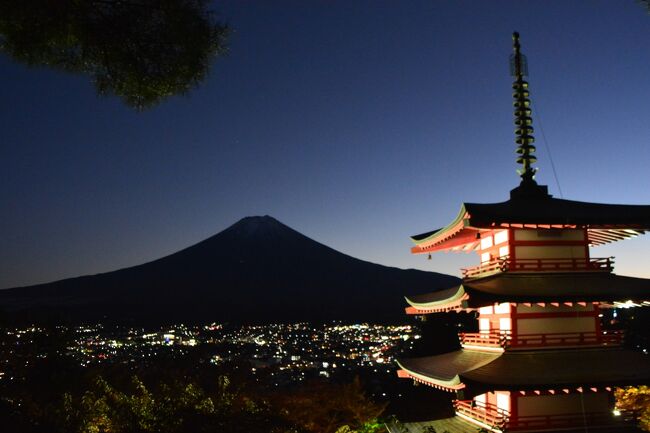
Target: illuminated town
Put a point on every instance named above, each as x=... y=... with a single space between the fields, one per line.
x=286 y=353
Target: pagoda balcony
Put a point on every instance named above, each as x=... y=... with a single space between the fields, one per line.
x=603 y=338
x=484 y=413
x=507 y=264
x=484 y=339
x=565 y=421
x=505 y=340
x=496 y=418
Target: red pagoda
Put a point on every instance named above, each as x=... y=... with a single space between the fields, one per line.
x=540 y=360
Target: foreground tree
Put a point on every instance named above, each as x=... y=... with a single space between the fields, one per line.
x=103 y=408
x=330 y=408
x=635 y=400
x=142 y=51
x=169 y=407
x=110 y=399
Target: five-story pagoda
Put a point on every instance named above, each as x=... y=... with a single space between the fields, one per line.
x=540 y=361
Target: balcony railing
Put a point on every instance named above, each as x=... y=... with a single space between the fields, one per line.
x=485 y=339
x=507 y=264
x=505 y=339
x=501 y=419
x=482 y=412
x=563 y=421
x=603 y=338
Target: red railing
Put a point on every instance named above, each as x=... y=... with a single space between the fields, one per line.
x=505 y=339
x=482 y=412
x=487 y=339
x=506 y=264
x=603 y=338
x=492 y=416
x=568 y=420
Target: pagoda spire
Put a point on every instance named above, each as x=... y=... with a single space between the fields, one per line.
x=523 y=120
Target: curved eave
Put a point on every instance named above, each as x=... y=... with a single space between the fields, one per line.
x=456 y=235
x=446 y=385
x=446 y=370
x=539 y=369
x=534 y=288
x=445 y=303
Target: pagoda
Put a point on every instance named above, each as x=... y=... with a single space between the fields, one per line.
x=540 y=360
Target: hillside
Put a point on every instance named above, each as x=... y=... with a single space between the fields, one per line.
x=257 y=270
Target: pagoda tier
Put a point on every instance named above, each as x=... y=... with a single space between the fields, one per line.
x=475 y=417
x=529 y=370
x=529 y=391
x=603 y=223
x=550 y=288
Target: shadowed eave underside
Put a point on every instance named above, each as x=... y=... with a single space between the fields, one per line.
x=443 y=371
x=530 y=370
x=533 y=288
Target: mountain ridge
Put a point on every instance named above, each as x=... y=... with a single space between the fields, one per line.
x=258 y=269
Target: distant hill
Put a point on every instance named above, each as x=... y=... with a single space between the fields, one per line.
x=257 y=270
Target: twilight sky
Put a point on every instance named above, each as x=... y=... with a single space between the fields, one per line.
x=358 y=123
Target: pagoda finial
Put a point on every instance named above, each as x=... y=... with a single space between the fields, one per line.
x=523 y=120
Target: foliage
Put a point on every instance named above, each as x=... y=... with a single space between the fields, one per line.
x=180 y=405
x=330 y=408
x=172 y=396
x=140 y=50
x=636 y=400
x=169 y=407
x=106 y=409
x=372 y=426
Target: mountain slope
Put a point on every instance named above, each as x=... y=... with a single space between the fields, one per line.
x=256 y=270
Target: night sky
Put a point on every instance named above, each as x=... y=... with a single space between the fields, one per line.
x=358 y=123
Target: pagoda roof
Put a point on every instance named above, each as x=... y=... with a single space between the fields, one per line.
x=518 y=370
x=604 y=222
x=444 y=370
x=533 y=288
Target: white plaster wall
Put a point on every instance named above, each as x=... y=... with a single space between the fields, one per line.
x=563 y=403
x=550 y=252
x=553 y=325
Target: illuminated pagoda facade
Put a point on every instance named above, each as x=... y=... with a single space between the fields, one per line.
x=540 y=360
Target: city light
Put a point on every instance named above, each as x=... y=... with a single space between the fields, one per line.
x=288 y=352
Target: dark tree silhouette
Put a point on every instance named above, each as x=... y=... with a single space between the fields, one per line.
x=142 y=51
x=646 y=4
